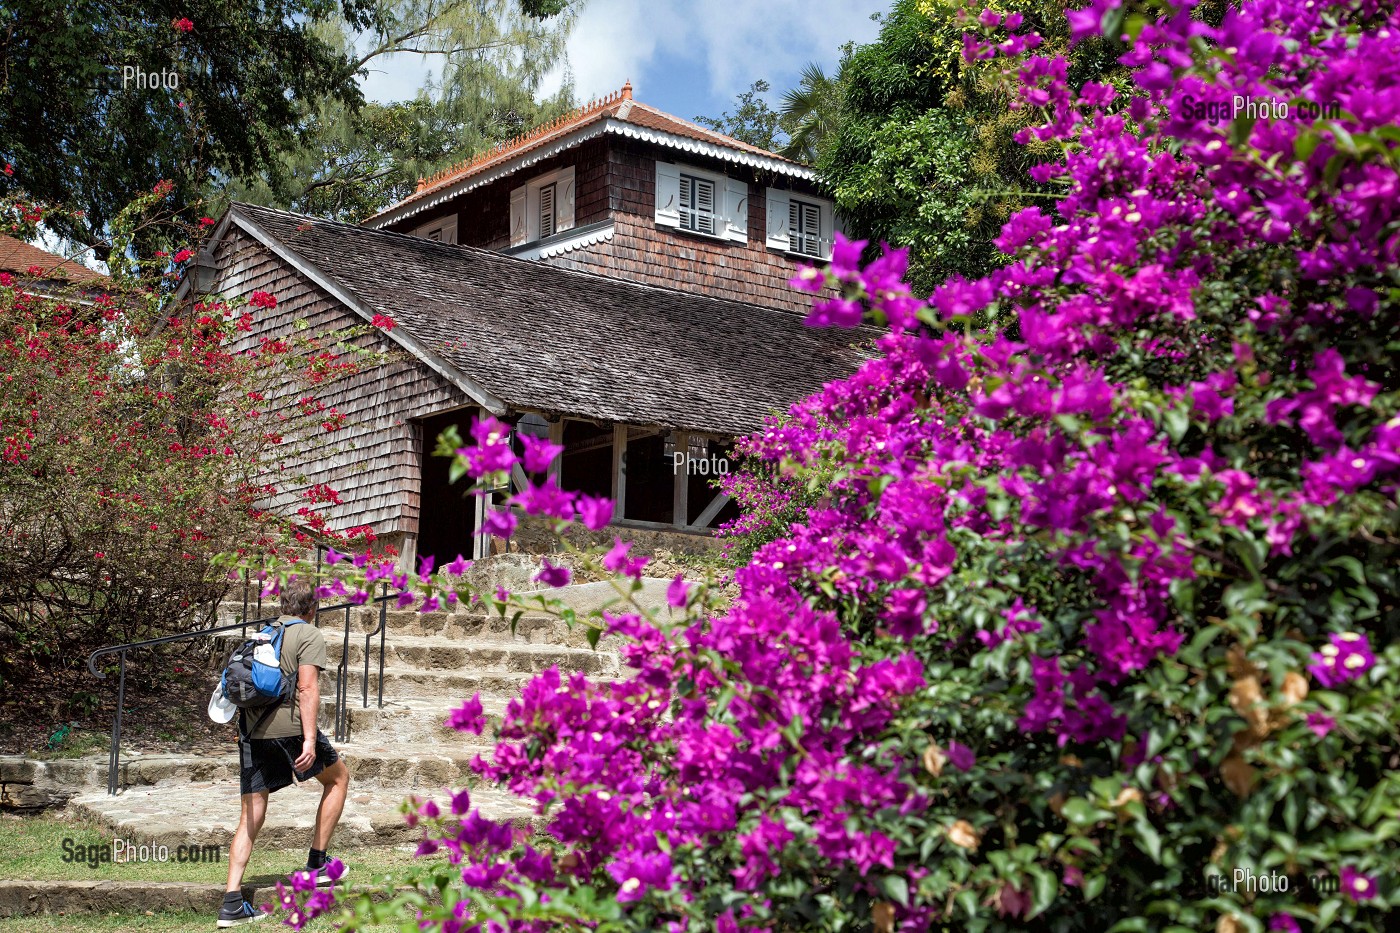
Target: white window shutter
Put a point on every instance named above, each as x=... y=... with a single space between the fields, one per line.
x=736 y=209
x=519 y=222
x=547 y=209
x=668 y=194
x=564 y=200
x=777 y=219
x=704 y=205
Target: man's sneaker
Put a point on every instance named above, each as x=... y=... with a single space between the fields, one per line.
x=247 y=913
x=323 y=874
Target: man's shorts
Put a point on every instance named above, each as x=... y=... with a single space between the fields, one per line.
x=267 y=763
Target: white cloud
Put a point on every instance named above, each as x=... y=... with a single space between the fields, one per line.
x=733 y=42
x=727 y=43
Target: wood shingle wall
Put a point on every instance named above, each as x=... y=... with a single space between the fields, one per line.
x=373 y=460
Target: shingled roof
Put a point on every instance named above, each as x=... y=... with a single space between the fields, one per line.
x=529 y=336
x=19 y=257
x=616 y=113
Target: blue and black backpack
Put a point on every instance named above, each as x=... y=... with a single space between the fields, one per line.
x=253 y=677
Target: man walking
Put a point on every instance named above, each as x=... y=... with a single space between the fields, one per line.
x=286 y=747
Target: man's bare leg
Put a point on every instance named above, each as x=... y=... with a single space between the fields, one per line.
x=335 y=783
x=250 y=821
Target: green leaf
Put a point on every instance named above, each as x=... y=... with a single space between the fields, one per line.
x=896 y=888
x=1081 y=812
x=1093 y=886
x=1043 y=891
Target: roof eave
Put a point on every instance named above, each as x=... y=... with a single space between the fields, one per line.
x=419 y=203
x=474 y=390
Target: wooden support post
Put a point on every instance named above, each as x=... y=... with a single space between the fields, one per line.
x=619 y=478
x=556 y=436
x=680 y=489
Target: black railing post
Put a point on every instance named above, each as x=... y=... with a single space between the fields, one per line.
x=342 y=672
x=383 y=627
x=114 y=762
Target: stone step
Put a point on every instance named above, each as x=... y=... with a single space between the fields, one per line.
x=206 y=812
x=427 y=652
x=530 y=628
x=412 y=682
x=417 y=721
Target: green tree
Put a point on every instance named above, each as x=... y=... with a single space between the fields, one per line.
x=80 y=128
x=350 y=162
x=812 y=111
x=752 y=121
x=923 y=153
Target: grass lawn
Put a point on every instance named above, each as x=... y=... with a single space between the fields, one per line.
x=32 y=848
x=182 y=922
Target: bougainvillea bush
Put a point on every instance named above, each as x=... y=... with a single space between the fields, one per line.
x=1093 y=623
x=139 y=440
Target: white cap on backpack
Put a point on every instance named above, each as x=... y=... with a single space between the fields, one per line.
x=220 y=709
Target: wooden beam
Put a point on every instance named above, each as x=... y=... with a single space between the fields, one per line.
x=711 y=510
x=518 y=478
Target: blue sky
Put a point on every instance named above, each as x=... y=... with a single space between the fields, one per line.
x=687 y=57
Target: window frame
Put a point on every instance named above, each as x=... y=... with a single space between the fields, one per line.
x=442 y=224
x=730 y=201
x=528 y=195
x=779 y=235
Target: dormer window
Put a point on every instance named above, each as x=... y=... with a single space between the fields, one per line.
x=542 y=207
x=441 y=231
x=799 y=224
x=804 y=228
x=697 y=201
x=697 y=204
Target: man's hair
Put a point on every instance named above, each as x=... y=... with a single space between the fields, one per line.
x=298 y=598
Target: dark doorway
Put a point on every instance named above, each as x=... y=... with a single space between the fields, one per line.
x=446 y=514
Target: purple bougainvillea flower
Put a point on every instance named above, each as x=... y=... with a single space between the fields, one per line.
x=1357 y=886
x=1321 y=724
x=595 y=512
x=457 y=567
x=553 y=575
x=1345 y=657
x=468 y=717
x=539 y=452
x=1284 y=923
x=499 y=522
x=961 y=757
x=677 y=592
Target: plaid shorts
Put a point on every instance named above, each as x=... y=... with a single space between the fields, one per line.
x=266 y=764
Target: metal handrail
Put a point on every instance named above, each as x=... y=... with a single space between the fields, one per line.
x=342 y=713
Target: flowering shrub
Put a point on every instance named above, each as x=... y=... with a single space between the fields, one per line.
x=138 y=442
x=1097 y=621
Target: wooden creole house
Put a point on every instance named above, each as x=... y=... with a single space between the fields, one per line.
x=615 y=281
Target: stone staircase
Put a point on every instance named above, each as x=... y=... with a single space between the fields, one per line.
x=432 y=663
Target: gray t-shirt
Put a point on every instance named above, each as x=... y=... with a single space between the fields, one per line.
x=301 y=644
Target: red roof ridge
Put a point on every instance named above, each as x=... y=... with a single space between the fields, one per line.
x=578 y=114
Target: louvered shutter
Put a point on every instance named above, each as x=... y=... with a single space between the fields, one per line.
x=705 y=205
x=668 y=194
x=736 y=209
x=547 y=216
x=519 y=224
x=812 y=228
x=778 y=221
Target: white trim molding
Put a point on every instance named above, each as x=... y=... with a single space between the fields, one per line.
x=567 y=242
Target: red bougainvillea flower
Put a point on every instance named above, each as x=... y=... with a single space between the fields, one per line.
x=206 y=221
x=9 y=169
x=263 y=300
x=183 y=24
x=384 y=322
x=183 y=255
